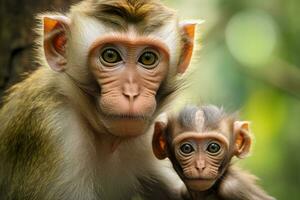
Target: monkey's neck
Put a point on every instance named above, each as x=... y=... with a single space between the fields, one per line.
x=110 y=143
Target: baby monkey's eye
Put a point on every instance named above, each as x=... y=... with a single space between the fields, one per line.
x=213 y=148
x=186 y=148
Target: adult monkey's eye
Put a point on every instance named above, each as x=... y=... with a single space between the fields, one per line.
x=110 y=56
x=148 y=59
x=186 y=148
x=213 y=148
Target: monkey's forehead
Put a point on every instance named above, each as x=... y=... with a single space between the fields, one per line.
x=85 y=24
x=222 y=129
x=130 y=42
x=201 y=136
x=84 y=31
x=147 y=14
x=200 y=118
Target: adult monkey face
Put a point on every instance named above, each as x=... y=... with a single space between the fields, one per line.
x=132 y=55
x=130 y=72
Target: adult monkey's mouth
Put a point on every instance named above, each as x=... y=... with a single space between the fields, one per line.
x=124 y=116
x=199 y=178
x=127 y=117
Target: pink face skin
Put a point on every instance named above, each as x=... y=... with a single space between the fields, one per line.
x=200 y=156
x=129 y=72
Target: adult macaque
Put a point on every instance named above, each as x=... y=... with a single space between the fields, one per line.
x=200 y=142
x=75 y=128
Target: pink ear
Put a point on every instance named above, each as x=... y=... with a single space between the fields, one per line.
x=55 y=40
x=242 y=138
x=188 y=29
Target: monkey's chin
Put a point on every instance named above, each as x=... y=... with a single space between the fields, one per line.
x=199 y=184
x=127 y=127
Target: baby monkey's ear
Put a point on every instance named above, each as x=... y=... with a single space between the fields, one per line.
x=159 y=142
x=242 y=138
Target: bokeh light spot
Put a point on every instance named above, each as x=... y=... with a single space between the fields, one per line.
x=251 y=37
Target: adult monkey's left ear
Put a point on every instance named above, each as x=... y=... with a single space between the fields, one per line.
x=55 y=40
x=188 y=31
x=242 y=138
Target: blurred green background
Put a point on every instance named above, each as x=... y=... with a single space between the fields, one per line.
x=250 y=61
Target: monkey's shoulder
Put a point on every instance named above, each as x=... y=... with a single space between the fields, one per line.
x=37 y=86
x=26 y=117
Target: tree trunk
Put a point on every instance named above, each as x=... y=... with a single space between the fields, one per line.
x=17 y=21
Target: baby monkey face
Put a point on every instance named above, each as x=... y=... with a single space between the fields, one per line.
x=200 y=156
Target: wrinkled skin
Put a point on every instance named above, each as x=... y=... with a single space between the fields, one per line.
x=129 y=85
x=200 y=167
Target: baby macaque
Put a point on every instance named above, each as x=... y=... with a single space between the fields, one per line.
x=200 y=143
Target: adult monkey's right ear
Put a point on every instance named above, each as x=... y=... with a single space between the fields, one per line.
x=55 y=40
x=159 y=143
x=188 y=31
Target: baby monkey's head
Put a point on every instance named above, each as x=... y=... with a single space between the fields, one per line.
x=200 y=142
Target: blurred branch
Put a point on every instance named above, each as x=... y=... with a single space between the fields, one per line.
x=279 y=74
